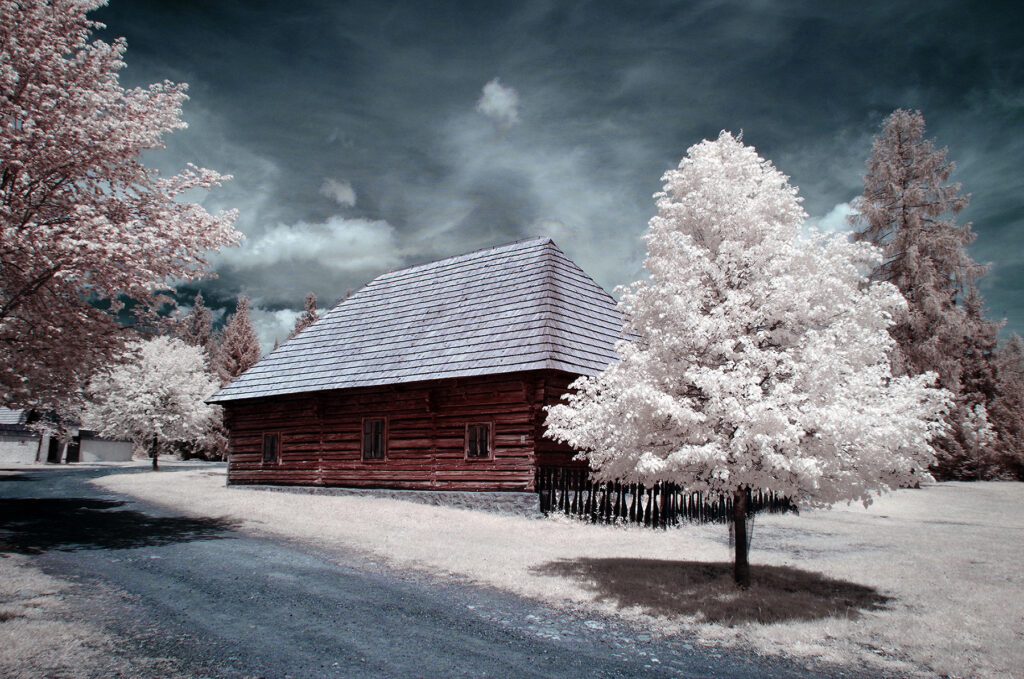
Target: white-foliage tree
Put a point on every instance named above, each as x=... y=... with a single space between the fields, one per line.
x=156 y=397
x=758 y=358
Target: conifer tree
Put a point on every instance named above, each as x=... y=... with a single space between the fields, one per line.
x=239 y=347
x=908 y=209
x=196 y=328
x=979 y=388
x=1008 y=407
x=308 y=317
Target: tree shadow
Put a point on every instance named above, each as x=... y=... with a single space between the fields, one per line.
x=35 y=525
x=707 y=591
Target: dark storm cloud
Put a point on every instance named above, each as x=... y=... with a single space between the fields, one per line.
x=383 y=96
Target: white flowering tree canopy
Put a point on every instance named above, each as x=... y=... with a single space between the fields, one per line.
x=157 y=397
x=759 y=353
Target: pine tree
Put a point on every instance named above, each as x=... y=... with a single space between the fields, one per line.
x=908 y=209
x=196 y=328
x=1008 y=406
x=239 y=347
x=308 y=317
x=977 y=458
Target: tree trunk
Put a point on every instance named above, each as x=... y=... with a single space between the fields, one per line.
x=156 y=455
x=741 y=567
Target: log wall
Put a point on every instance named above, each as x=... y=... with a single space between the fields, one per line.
x=321 y=434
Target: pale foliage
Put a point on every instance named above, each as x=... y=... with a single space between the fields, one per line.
x=80 y=216
x=196 y=327
x=977 y=430
x=308 y=317
x=1008 y=407
x=759 y=358
x=239 y=348
x=156 y=397
x=908 y=208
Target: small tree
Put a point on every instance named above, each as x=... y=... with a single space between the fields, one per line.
x=970 y=450
x=759 y=359
x=908 y=209
x=156 y=397
x=196 y=328
x=239 y=348
x=308 y=317
x=81 y=218
x=1008 y=406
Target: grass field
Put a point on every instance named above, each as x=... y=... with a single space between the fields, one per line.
x=926 y=580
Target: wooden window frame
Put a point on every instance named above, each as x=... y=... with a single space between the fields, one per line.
x=270 y=436
x=490 y=440
x=383 y=443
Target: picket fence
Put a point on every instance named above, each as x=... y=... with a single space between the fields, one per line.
x=571 y=491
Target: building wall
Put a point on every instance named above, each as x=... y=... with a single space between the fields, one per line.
x=102 y=450
x=18 y=448
x=426 y=428
x=551 y=453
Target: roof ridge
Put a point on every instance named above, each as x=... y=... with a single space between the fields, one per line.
x=447 y=260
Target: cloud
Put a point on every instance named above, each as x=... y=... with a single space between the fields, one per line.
x=272 y=326
x=499 y=103
x=612 y=105
x=338 y=244
x=554 y=229
x=577 y=186
x=340 y=192
x=837 y=219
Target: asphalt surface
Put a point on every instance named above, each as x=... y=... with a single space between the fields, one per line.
x=212 y=601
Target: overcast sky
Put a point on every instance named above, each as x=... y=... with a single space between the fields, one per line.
x=367 y=136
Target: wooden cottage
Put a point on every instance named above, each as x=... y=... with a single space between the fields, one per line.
x=432 y=377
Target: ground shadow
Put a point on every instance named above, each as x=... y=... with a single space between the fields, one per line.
x=706 y=590
x=15 y=476
x=34 y=525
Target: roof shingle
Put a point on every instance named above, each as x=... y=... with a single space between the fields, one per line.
x=522 y=306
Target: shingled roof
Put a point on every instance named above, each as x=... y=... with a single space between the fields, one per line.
x=522 y=306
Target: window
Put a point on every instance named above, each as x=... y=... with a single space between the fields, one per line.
x=478 y=440
x=374 y=435
x=271 y=448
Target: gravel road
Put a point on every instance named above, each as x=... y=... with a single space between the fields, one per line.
x=200 y=598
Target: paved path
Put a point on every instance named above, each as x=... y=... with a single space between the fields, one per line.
x=215 y=602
